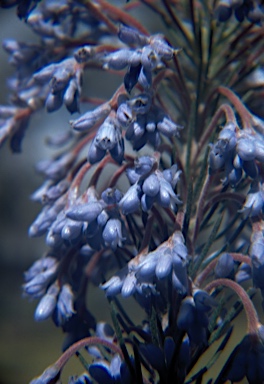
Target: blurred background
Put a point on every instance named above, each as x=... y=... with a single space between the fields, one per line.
x=25 y=345
x=28 y=347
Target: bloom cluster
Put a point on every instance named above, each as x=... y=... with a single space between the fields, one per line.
x=252 y=10
x=156 y=193
x=170 y=258
x=235 y=151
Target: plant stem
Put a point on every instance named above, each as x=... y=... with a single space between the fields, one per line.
x=252 y=317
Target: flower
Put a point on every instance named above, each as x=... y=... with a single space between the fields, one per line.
x=246 y=360
x=147 y=212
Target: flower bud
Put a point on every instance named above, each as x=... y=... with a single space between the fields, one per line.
x=124 y=114
x=254 y=201
x=145 y=77
x=138 y=128
x=45 y=74
x=65 y=307
x=55 y=191
x=203 y=301
x=47 y=304
x=131 y=36
x=146 y=268
x=102 y=218
x=71 y=96
x=71 y=230
x=117 y=60
x=83 y=54
x=164 y=265
x=117 y=152
x=180 y=251
x=151 y=185
x=246 y=148
x=140 y=104
x=100 y=372
x=143 y=166
x=54 y=102
x=45 y=219
x=114 y=285
x=95 y=154
x=131 y=77
x=107 y=135
x=111 y=196
x=85 y=212
x=149 y=59
x=41 y=265
x=112 y=233
x=225 y=266
x=60 y=79
x=90 y=118
x=244 y=273
x=223 y=10
x=217 y=155
x=130 y=202
x=147 y=202
x=36 y=287
x=186 y=316
x=168 y=127
x=228 y=134
x=51 y=374
x=129 y=285
x=161 y=47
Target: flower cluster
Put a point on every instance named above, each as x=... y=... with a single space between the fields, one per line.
x=155 y=193
x=149 y=55
x=235 y=151
x=64 y=83
x=150 y=186
x=250 y=9
x=140 y=274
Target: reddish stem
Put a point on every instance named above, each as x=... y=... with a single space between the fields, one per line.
x=119 y=172
x=92 y=263
x=252 y=316
x=86 y=139
x=206 y=272
x=114 y=98
x=120 y=15
x=100 y=15
x=88 y=341
x=240 y=107
x=75 y=186
x=216 y=197
x=107 y=160
x=224 y=109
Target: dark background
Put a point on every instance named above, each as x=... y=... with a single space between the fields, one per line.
x=27 y=347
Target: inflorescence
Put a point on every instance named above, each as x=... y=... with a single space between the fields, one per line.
x=156 y=193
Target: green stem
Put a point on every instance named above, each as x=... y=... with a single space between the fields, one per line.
x=197 y=263
x=200 y=205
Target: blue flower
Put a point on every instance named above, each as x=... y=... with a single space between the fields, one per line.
x=110 y=373
x=246 y=360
